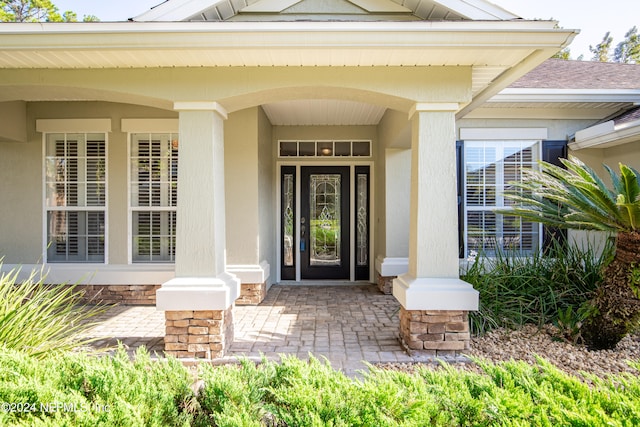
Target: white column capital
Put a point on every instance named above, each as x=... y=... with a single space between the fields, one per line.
x=201 y=106
x=419 y=107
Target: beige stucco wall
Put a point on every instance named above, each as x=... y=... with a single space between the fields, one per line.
x=13 y=121
x=21 y=212
x=21 y=200
x=393 y=185
x=398 y=197
x=241 y=187
x=266 y=192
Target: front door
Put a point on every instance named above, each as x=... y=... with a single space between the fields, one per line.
x=324 y=222
x=317 y=242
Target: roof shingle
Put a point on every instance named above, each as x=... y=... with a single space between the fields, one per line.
x=562 y=74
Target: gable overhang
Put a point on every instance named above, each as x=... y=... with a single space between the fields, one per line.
x=498 y=52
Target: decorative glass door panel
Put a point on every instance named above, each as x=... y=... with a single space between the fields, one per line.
x=288 y=218
x=362 y=221
x=324 y=219
x=324 y=223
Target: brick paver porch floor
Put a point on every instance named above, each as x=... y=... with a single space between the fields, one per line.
x=347 y=324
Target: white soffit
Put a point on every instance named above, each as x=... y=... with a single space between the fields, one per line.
x=477 y=9
x=269 y=6
x=380 y=6
x=182 y=10
x=321 y=112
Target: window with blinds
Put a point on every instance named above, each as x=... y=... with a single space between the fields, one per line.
x=489 y=168
x=75 y=181
x=154 y=196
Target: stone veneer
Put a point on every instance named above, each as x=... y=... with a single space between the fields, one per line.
x=252 y=293
x=385 y=284
x=119 y=294
x=202 y=334
x=435 y=332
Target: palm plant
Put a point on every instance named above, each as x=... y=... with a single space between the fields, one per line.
x=577 y=198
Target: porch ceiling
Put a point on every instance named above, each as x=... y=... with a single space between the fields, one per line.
x=320 y=112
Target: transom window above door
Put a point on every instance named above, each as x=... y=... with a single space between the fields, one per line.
x=324 y=148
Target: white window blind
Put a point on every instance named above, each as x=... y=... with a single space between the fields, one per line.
x=489 y=168
x=153 y=196
x=75 y=181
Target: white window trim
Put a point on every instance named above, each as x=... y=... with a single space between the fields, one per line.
x=499 y=178
x=332 y=156
x=53 y=126
x=133 y=126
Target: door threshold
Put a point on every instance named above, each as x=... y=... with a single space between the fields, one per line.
x=331 y=282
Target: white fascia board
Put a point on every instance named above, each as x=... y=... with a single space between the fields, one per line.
x=84 y=28
x=595 y=131
x=174 y=10
x=280 y=35
x=525 y=95
x=477 y=9
x=606 y=135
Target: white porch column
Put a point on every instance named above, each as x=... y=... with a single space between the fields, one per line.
x=202 y=293
x=432 y=285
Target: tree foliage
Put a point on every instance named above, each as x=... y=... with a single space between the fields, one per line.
x=628 y=51
x=36 y=11
x=564 y=54
x=602 y=49
x=577 y=198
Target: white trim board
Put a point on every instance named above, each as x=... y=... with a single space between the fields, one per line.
x=492 y=134
x=95 y=274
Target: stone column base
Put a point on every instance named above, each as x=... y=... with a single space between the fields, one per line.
x=385 y=284
x=202 y=334
x=252 y=293
x=437 y=333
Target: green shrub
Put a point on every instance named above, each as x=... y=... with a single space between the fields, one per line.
x=298 y=393
x=39 y=319
x=517 y=289
x=80 y=390
x=115 y=391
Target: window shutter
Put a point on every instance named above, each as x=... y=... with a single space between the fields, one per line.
x=552 y=152
x=460 y=187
